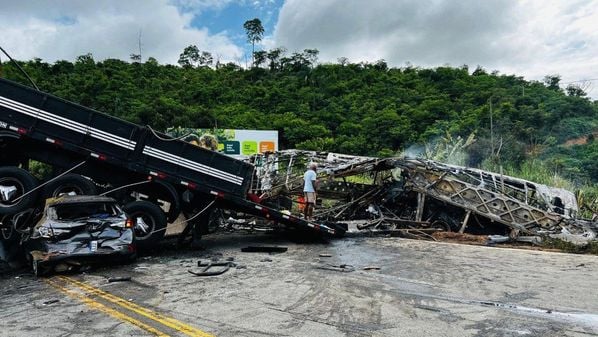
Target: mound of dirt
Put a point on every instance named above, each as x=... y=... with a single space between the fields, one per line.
x=460 y=237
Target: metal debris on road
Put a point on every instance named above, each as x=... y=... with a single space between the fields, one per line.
x=264 y=249
x=206 y=271
x=345 y=268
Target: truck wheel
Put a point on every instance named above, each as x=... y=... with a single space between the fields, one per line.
x=14 y=183
x=150 y=223
x=70 y=184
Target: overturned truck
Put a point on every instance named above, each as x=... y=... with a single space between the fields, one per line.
x=420 y=197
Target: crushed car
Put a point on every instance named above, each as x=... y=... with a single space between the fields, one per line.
x=80 y=230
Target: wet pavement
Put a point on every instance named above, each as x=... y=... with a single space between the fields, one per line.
x=420 y=289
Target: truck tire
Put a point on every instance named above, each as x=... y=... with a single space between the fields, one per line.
x=150 y=223
x=16 y=182
x=68 y=184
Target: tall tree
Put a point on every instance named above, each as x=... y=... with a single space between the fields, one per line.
x=260 y=57
x=205 y=59
x=311 y=55
x=189 y=56
x=552 y=81
x=255 y=32
x=274 y=55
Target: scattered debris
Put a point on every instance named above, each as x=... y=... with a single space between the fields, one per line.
x=48 y=302
x=119 y=279
x=207 y=266
x=342 y=268
x=534 y=240
x=371 y=268
x=264 y=249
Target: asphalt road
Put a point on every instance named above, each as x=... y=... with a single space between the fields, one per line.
x=421 y=289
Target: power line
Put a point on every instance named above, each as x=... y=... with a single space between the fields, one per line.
x=587 y=80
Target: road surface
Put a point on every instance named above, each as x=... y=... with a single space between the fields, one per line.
x=421 y=289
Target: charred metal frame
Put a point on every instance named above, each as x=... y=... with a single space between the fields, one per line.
x=523 y=207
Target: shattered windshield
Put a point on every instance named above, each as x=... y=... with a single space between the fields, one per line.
x=82 y=211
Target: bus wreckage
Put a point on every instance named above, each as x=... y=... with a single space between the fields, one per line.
x=423 y=198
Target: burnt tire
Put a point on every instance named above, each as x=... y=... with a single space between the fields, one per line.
x=69 y=184
x=16 y=182
x=150 y=223
x=446 y=222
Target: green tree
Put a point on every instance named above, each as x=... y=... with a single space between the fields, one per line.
x=552 y=81
x=189 y=56
x=260 y=57
x=274 y=56
x=255 y=32
x=575 y=90
x=311 y=55
x=366 y=108
x=205 y=59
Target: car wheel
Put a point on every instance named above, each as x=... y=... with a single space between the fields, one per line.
x=70 y=184
x=14 y=184
x=150 y=222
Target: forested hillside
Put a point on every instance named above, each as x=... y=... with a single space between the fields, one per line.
x=365 y=109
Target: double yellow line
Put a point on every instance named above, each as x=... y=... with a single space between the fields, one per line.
x=89 y=291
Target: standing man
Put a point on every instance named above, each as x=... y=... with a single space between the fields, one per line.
x=309 y=190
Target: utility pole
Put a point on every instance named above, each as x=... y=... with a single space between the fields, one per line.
x=139 y=43
x=491 y=130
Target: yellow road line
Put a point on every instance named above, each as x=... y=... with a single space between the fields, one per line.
x=106 y=310
x=160 y=318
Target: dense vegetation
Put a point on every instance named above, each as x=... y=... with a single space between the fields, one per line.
x=365 y=108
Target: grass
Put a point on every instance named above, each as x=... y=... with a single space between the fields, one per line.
x=568 y=247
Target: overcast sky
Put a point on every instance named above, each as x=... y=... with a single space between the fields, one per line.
x=531 y=38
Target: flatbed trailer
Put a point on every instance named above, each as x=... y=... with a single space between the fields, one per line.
x=112 y=152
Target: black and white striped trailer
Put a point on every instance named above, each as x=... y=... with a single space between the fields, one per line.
x=86 y=144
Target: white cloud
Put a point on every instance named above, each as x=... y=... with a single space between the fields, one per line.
x=532 y=38
x=197 y=6
x=64 y=29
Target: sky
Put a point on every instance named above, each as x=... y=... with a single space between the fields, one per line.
x=530 y=38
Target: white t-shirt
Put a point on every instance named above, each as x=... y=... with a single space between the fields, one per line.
x=309 y=177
